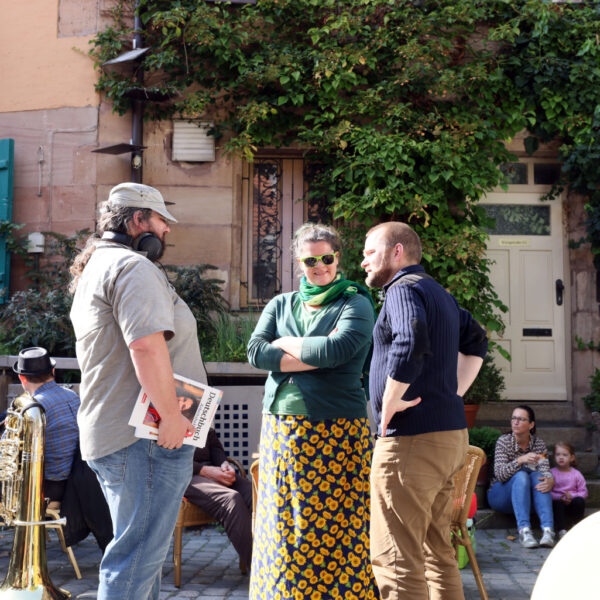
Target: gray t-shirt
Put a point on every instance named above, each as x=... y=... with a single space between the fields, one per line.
x=121 y=297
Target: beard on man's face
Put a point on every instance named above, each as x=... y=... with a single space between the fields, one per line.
x=163 y=247
x=378 y=278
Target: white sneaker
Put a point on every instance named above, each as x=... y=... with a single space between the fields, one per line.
x=526 y=538
x=562 y=533
x=547 y=538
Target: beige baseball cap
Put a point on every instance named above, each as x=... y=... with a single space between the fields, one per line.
x=138 y=195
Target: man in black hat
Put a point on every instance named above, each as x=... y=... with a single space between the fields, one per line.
x=35 y=369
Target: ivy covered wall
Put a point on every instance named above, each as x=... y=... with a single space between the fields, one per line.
x=406 y=104
x=409 y=107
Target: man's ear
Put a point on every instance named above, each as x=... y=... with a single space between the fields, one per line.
x=22 y=379
x=136 y=225
x=398 y=250
x=138 y=218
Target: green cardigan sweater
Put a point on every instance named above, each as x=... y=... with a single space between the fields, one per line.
x=335 y=389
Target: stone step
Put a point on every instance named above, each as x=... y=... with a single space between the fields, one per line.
x=486 y=518
x=587 y=463
x=591 y=502
x=545 y=412
x=576 y=436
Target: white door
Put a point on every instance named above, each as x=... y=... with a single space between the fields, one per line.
x=528 y=273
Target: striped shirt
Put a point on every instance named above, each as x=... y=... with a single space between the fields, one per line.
x=62 y=434
x=506 y=454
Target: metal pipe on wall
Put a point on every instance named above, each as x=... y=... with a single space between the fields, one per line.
x=137 y=116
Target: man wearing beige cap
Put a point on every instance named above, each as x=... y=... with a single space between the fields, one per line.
x=133 y=331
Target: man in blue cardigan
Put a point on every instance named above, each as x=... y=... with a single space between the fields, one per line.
x=427 y=352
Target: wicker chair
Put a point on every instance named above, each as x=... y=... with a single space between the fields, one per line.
x=464 y=486
x=254 y=477
x=191 y=515
x=53 y=514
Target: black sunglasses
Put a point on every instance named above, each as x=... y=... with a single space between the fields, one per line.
x=311 y=261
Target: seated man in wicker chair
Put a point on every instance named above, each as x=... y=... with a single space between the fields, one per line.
x=221 y=492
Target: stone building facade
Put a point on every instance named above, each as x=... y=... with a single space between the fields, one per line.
x=48 y=105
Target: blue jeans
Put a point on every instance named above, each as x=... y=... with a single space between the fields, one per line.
x=514 y=496
x=143 y=485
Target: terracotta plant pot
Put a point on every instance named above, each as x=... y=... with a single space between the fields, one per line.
x=471 y=414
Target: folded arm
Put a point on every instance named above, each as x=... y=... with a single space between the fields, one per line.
x=263 y=351
x=353 y=331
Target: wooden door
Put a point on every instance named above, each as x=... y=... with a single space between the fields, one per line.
x=528 y=275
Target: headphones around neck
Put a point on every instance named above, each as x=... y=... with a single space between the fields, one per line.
x=146 y=242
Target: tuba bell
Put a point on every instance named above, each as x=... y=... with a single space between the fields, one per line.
x=21 y=479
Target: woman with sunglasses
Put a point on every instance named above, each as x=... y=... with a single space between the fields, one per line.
x=522 y=473
x=311 y=536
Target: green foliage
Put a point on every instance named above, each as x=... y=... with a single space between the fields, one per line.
x=405 y=105
x=556 y=67
x=488 y=385
x=230 y=342
x=15 y=244
x=39 y=316
x=592 y=400
x=202 y=295
x=60 y=251
x=485 y=438
x=589 y=345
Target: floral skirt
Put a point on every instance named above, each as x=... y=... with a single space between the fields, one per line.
x=311 y=531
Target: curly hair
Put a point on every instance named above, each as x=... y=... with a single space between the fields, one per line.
x=112 y=218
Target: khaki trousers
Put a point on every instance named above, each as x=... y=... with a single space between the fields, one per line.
x=411 y=487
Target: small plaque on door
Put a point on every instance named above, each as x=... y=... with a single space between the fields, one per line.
x=537 y=332
x=512 y=243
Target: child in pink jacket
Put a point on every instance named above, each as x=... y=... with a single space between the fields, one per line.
x=569 y=491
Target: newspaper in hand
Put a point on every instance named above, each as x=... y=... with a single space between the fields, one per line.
x=197 y=401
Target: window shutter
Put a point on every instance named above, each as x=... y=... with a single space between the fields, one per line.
x=191 y=142
x=6 y=199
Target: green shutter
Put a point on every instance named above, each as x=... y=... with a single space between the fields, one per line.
x=7 y=151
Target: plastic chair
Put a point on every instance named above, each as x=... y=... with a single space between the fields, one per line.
x=191 y=515
x=464 y=486
x=53 y=514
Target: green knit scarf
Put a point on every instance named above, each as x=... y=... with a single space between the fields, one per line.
x=317 y=295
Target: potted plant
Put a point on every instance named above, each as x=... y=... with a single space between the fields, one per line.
x=231 y=335
x=592 y=403
x=485 y=438
x=487 y=387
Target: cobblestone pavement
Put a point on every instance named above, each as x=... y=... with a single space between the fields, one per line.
x=210 y=567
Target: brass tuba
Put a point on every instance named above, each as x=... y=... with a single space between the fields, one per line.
x=21 y=476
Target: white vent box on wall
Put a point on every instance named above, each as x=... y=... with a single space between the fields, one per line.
x=191 y=143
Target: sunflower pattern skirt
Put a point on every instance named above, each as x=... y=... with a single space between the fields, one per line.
x=311 y=532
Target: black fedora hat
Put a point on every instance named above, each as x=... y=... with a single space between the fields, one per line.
x=34 y=361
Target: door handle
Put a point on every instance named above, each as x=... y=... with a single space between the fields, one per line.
x=560 y=286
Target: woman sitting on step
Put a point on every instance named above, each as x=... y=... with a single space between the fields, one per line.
x=522 y=473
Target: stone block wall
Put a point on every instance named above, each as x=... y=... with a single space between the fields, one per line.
x=54 y=171
x=585 y=306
